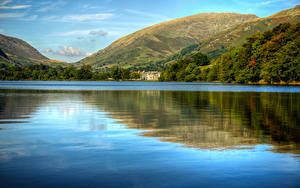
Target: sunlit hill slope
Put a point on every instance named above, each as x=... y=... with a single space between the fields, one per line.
x=158 y=41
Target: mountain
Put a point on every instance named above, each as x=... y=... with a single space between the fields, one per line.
x=218 y=44
x=154 y=43
x=17 y=51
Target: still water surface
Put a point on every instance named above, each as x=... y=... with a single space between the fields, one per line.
x=148 y=134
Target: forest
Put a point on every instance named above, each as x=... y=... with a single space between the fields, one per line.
x=269 y=57
x=44 y=72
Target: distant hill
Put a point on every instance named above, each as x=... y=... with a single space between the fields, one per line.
x=154 y=43
x=218 y=44
x=17 y=51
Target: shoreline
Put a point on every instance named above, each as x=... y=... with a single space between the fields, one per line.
x=249 y=83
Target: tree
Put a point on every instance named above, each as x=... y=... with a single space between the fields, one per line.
x=69 y=72
x=135 y=75
x=116 y=73
x=190 y=78
x=84 y=73
x=125 y=74
x=200 y=59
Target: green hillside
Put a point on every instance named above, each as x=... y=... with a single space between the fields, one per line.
x=269 y=57
x=218 y=44
x=156 y=42
x=19 y=52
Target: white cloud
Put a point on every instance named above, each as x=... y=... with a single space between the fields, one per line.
x=45 y=2
x=30 y=18
x=72 y=52
x=75 y=32
x=47 y=50
x=48 y=5
x=3 y=5
x=80 y=17
x=68 y=51
x=87 y=17
x=1 y=30
x=4 y=2
x=11 y=15
x=98 y=33
x=15 y=7
x=87 y=6
x=269 y=2
x=145 y=14
x=50 y=18
x=95 y=32
x=258 y=4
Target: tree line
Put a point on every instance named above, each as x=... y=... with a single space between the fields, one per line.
x=271 y=57
x=44 y=72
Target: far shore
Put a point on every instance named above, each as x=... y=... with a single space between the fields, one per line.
x=249 y=83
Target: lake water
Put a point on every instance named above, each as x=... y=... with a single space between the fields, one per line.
x=148 y=134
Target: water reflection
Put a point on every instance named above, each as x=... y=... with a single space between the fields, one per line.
x=208 y=119
x=15 y=106
x=136 y=138
x=205 y=120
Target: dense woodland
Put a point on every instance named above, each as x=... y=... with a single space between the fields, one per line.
x=272 y=56
x=43 y=72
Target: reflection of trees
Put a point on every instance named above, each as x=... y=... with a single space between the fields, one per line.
x=273 y=114
x=198 y=119
x=207 y=119
x=19 y=106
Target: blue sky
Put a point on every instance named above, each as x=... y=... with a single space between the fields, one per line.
x=69 y=30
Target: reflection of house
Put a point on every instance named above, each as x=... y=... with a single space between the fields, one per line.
x=153 y=75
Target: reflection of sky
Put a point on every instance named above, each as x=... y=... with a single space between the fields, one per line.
x=73 y=115
x=70 y=142
x=53 y=119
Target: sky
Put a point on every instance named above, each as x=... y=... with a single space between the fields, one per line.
x=70 y=30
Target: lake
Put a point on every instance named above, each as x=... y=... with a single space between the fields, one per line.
x=148 y=134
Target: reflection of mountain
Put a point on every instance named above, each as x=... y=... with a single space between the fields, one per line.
x=207 y=119
x=197 y=119
x=14 y=106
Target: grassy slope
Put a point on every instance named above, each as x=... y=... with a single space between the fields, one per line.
x=156 y=42
x=21 y=53
x=218 y=44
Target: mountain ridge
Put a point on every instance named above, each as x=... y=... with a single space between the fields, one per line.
x=140 y=50
x=251 y=27
x=154 y=42
x=218 y=44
